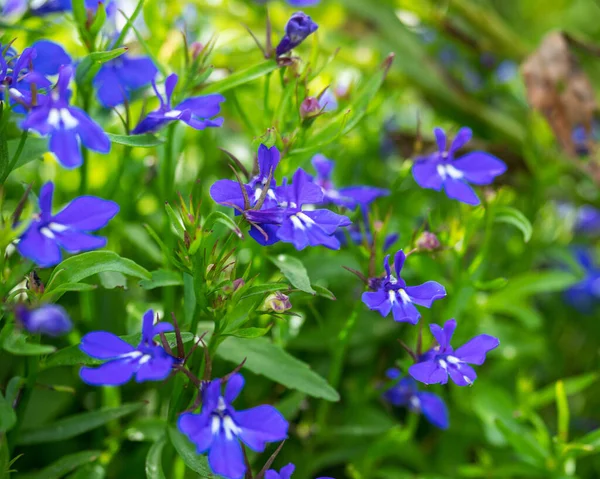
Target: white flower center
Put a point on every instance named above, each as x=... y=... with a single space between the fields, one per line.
x=62 y=118
x=445 y=170
x=172 y=114
x=404 y=297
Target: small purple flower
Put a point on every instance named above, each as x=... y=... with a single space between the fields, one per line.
x=443 y=360
x=118 y=78
x=349 y=197
x=585 y=295
x=219 y=428
x=196 y=112
x=285 y=473
x=67 y=229
x=148 y=361
x=18 y=79
x=67 y=126
x=303 y=3
x=298 y=27
x=48 y=319
x=441 y=169
x=393 y=294
x=588 y=220
x=50 y=57
x=406 y=393
x=310 y=107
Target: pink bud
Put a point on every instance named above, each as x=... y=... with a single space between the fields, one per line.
x=428 y=242
x=310 y=107
x=278 y=302
x=196 y=48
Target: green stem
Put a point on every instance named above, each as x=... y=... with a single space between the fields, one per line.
x=85 y=152
x=122 y=159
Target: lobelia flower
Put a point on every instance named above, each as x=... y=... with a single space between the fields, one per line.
x=48 y=319
x=298 y=27
x=67 y=126
x=196 y=112
x=585 y=294
x=393 y=295
x=443 y=360
x=328 y=101
x=406 y=393
x=18 y=80
x=285 y=473
x=68 y=229
x=50 y=57
x=147 y=362
x=219 y=428
x=349 y=197
x=441 y=170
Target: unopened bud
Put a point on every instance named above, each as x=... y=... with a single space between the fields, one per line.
x=195 y=49
x=278 y=302
x=310 y=107
x=428 y=242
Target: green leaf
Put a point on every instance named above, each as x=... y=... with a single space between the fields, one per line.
x=293 y=269
x=250 y=332
x=175 y=221
x=512 y=216
x=8 y=418
x=15 y=342
x=64 y=465
x=322 y=291
x=239 y=78
x=75 y=425
x=79 y=12
x=90 y=65
x=270 y=360
x=69 y=287
x=262 y=289
x=146 y=140
x=154 y=468
x=220 y=217
x=562 y=407
x=523 y=443
x=89 y=471
x=187 y=451
x=147 y=429
x=73 y=356
x=112 y=280
x=161 y=278
x=34 y=149
x=84 y=265
x=573 y=385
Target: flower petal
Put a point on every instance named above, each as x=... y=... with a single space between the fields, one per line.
x=426 y=174
x=112 y=373
x=155 y=369
x=37 y=247
x=226 y=457
x=479 y=167
x=234 y=387
x=377 y=301
x=76 y=242
x=327 y=220
x=405 y=312
x=45 y=200
x=91 y=134
x=426 y=293
x=228 y=191
x=50 y=57
x=323 y=166
x=104 y=345
x=206 y=106
x=197 y=427
x=461 y=139
x=260 y=425
x=443 y=336
x=474 y=351
x=87 y=213
x=461 y=191
x=440 y=139
x=462 y=374
x=399 y=259
x=428 y=372
x=65 y=145
x=434 y=409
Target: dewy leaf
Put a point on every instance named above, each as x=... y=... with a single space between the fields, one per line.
x=154 y=468
x=77 y=268
x=161 y=278
x=64 y=465
x=293 y=269
x=75 y=425
x=145 y=140
x=239 y=78
x=270 y=360
x=512 y=216
x=187 y=451
x=8 y=418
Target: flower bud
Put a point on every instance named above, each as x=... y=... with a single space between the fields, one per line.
x=278 y=302
x=428 y=242
x=195 y=49
x=298 y=27
x=49 y=319
x=310 y=107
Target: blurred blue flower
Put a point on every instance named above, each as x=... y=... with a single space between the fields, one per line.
x=435 y=365
x=588 y=220
x=18 y=80
x=298 y=27
x=43 y=7
x=328 y=101
x=48 y=319
x=47 y=234
x=50 y=57
x=219 y=428
x=349 y=197
x=506 y=71
x=69 y=127
x=148 y=361
x=196 y=112
x=393 y=294
x=582 y=138
x=441 y=169
x=406 y=393
x=585 y=295
x=285 y=473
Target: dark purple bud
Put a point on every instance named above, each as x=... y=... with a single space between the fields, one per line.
x=298 y=27
x=49 y=319
x=427 y=242
x=278 y=302
x=375 y=283
x=310 y=107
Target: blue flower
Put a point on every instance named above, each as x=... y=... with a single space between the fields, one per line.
x=18 y=80
x=67 y=126
x=298 y=27
x=443 y=360
x=47 y=234
x=119 y=77
x=441 y=169
x=219 y=428
x=406 y=393
x=148 y=361
x=349 y=197
x=393 y=295
x=585 y=294
x=285 y=473
x=197 y=112
x=48 y=319
x=50 y=57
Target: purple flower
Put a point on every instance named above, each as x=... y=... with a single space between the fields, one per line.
x=585 y=294
x=328 y=101
x=588 y=220
x=18 y=80
x=406 y=393
x=285 y=473
x=196 y=112
x=219 y=428
x=298 y=27
x=443 y=360
x=310 y=107
x=50 y=57
x=349 y=197
x=66 y=125
x=119 y=77
x=303 y=3
x=393 y=294
x=67 y=229
x=148 y=361
x=441 y=169
x=48 y=319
